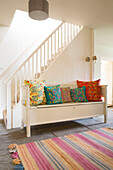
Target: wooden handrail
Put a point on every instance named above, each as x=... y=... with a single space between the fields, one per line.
x=33 y=53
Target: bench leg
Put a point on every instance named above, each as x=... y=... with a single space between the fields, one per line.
x=105 y=118
x=28 y=131
x=105 y=113
x=22 y=125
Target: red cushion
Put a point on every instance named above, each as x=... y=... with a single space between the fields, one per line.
x=92 y=89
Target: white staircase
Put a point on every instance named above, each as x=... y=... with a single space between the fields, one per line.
x=35 y=66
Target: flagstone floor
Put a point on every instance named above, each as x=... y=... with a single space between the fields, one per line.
x=44 y=132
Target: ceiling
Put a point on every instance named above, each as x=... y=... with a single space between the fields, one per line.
x=8 y=8
x=90 y=13
x=96 y=14
x=104 y=36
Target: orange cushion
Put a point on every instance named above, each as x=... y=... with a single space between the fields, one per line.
x=92 y=89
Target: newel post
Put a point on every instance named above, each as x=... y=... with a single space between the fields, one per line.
x=28 y=112
x=9 y=116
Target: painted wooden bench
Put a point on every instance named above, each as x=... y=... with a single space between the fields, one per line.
x=43 y=114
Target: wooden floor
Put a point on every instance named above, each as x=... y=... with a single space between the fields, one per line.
x=44 y=132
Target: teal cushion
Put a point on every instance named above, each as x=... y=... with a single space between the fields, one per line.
x=53 y=94
x=78 y=94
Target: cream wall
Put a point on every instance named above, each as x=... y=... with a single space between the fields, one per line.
x=71 y=65
x=21 y=34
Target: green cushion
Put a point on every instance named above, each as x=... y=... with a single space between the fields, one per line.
x=78 y=94
x=53 y=95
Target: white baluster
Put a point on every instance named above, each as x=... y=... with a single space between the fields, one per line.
x=21 y=107
x=36 y=65
x=28 y=113
x=28 y=75
x=20 y=77
x=25 y=76
x=73 y=31
x=52 y=48
x=40 y=60
x=64 y=35
x=58 y=41
x=15 y=89
x=55 y=45
x=48 y=52
x=33 y=67
x=44 y=56
x=61 y=39
x=20 y=85
x=68 y=32
x=79 y=28
x=9 y=116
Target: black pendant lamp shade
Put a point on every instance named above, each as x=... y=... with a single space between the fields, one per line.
x=38 y=9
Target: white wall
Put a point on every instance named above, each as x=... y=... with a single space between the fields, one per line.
x=71 y=65
x=22 y=33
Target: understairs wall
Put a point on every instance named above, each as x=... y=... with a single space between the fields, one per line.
x=71 y=64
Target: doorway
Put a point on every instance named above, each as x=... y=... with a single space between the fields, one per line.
x=107 y=79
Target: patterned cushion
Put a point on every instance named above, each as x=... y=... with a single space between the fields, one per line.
x=78 y=94
x=92 y=89
x=65 y=93
x=37 y=95
x=53 y=94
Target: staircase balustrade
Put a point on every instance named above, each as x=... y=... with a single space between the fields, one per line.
x=38 y=62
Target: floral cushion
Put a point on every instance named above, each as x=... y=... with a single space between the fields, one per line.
x=65 y=93
x=53 y=94
x=78 y=94
x=37 y=95
x=92 y=89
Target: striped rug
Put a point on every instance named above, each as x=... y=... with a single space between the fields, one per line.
x=91 y=150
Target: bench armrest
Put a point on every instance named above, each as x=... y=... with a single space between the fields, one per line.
x=104 y=94
x=103 y=89
x=25 y=100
